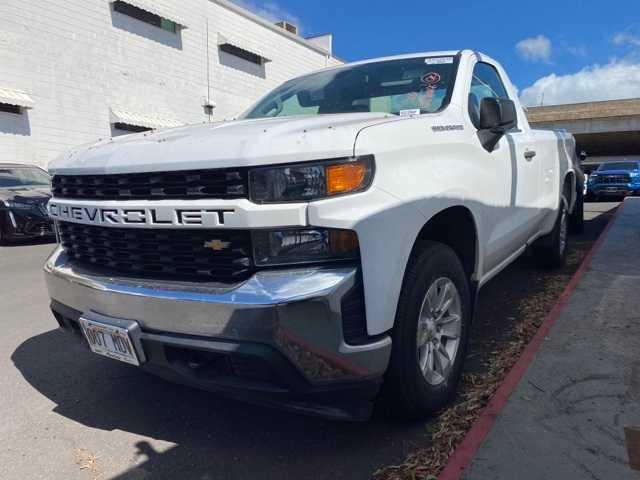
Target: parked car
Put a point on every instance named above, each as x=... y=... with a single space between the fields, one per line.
x=24 y=193
x=322 y=252
x=615 y=179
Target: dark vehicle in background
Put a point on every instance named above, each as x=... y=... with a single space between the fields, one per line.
x=615 y=179
x=24 y=193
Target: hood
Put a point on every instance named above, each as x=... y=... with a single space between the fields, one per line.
x=31 y=195
x=229 y=144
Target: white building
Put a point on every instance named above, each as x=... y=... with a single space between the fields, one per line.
x=74 y=71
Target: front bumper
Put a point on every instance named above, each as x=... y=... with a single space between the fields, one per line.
x=25 y=224
x=276 y=338
x=614 y=189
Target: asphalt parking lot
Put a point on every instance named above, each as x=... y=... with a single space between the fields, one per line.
x=71 y=415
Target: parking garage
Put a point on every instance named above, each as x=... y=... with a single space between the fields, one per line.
x=606 y=131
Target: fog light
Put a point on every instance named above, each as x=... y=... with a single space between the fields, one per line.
x=301 y=246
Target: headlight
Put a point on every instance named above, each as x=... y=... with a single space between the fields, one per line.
x=304 y=182
x=16 y=205
x=308 y=245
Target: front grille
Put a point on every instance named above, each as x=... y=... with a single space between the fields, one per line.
x=189 y=184
x=612 y=179
x=160 y=254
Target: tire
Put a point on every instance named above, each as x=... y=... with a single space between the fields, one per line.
x=551 y=250
x=411 y=391
x=576 y=220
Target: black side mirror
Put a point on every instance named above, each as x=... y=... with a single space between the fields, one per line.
x=497 y=116
x=583 y=156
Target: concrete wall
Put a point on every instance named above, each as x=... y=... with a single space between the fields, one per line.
x=594 y=125
x=78 y=58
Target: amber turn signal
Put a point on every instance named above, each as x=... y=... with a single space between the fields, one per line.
x=343 y=242
x=346 y=177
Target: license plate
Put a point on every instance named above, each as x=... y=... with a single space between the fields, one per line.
x=109 y=341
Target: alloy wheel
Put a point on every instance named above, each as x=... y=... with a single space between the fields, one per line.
x=439 y=330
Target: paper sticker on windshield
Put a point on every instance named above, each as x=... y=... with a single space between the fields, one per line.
x=438 y=60
x=409 y=112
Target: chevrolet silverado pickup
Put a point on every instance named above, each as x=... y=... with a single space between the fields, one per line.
x=324 y=251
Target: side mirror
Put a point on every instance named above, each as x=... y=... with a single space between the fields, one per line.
x=583 y=156
x=497 y=116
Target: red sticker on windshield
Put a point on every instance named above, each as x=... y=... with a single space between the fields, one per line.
x=430 y=80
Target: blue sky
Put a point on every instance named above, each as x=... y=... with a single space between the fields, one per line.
x=575 y=50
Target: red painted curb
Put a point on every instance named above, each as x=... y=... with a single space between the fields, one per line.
x=465 y=452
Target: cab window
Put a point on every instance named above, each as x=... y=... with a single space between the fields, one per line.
x=485 y=82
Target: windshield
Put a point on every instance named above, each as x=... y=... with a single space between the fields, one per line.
x=23 y=176
x=412 y=85
x=619 y=166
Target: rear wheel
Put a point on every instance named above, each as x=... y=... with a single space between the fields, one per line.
x=551 y=250
x=430 y=334
x=576 y=220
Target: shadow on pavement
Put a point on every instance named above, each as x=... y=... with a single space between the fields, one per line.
x=216 y=438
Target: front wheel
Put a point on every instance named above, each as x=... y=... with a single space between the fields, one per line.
x=430 y=334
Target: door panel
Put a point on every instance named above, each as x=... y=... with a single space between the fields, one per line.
x=513 y=210
x=516 y=219
x=528 y=186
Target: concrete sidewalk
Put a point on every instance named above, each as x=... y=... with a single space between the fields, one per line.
x=566 y=417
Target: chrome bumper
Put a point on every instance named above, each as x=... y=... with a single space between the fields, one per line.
x=297 y=312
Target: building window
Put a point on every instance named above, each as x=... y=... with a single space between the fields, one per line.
x=241 y=53
x=130 y=128
x=8 y=108
x=289 y=27
x=144 y=16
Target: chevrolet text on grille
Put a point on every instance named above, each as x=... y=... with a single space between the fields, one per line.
x=208 y=217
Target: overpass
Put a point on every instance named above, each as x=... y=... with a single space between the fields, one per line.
x=602 y=129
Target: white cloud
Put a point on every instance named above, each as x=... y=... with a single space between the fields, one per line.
x=626 y=38
x=270 y=11
x=616 y=80
x=577 y=50
x=535 y=49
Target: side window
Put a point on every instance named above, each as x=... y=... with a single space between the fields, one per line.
x=484 y=83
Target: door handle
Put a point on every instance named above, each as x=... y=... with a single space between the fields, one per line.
x=529 y=154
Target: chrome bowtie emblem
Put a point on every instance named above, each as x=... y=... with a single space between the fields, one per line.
x=217 y=245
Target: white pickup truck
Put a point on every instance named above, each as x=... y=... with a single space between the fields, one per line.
x=325 y=250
